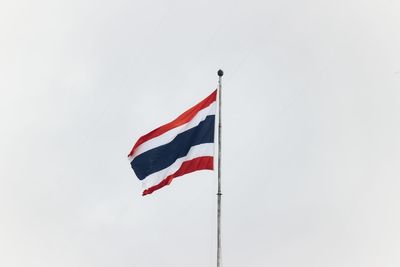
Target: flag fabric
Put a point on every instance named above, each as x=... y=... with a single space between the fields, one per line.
x=179 y=147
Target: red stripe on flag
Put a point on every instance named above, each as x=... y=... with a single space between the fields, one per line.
x=182 y=119
x=200 y=163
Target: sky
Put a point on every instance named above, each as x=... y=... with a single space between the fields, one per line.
x=310 y=145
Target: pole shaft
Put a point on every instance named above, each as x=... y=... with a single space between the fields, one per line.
x=219 y=194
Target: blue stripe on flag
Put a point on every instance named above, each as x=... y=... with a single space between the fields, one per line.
x=163 y=156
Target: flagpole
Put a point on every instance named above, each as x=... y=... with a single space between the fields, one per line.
x=219 y=194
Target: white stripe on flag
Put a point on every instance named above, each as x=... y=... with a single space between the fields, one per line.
x=202 y=150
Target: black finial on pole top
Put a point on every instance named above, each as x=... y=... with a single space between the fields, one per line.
x=220 y=73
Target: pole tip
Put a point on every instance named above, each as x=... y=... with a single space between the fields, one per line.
x=220 y=73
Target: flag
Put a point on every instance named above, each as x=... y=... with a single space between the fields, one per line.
x=179 y=147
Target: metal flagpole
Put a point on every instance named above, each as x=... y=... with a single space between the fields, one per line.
x=219 y=194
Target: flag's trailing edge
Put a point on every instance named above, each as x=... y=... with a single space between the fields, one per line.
x=182 y=146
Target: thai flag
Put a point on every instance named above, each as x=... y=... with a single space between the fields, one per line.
x=182 y=146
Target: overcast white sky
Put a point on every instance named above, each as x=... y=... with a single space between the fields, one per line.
x=311 y=147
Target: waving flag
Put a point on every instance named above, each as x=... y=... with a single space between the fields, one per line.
x=182 y=146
